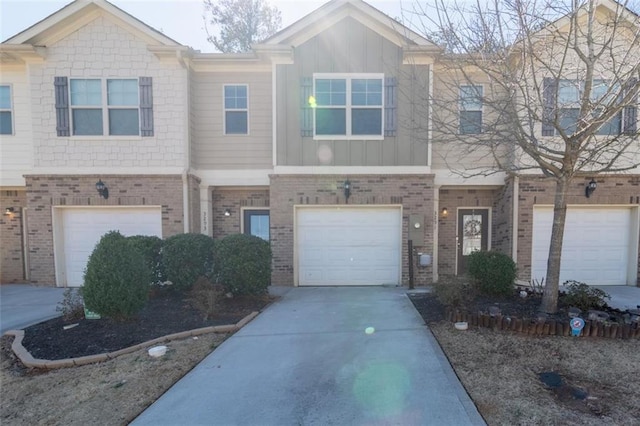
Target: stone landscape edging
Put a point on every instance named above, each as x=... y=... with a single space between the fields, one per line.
x=546 y=328
x=29 y=361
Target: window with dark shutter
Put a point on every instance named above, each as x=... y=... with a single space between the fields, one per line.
x=146 y=106
x=390 y=106
x=61 y=86
x=549 y=100
x=631 y=112
x=306 y=112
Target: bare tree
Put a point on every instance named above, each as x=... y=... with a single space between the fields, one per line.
x=240 y=23
x=556 y=85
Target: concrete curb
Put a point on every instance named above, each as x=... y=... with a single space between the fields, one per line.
x=29 y=361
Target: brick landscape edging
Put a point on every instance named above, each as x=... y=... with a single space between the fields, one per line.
x=29 y=361
x=546 y=328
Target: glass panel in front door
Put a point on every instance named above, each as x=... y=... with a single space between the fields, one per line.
x=471 y=233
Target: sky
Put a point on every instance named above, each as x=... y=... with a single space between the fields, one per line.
x=179 y=19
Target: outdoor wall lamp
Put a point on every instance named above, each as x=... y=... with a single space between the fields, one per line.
x=102 y=189
x=9 y=210
x=347 y=189
x=445 y=212
x=227 y=212
x=591 y=186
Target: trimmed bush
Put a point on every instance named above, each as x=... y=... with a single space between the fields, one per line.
x=185 y=258
x=581 y=296
x=243 y=264
x=149 y=247
x=494 y=273
x=453 y=291
x=116 y=281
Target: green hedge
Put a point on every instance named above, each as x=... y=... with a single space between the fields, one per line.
x=150 y=247
x=187 y=257
x=243 y=264
x=116 y=280
x=494 y=273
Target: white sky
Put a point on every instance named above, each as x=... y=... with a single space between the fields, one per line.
x=178 y=19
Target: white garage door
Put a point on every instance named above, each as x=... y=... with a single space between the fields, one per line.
x=348 y=246
x=81 y=229
x=596 y=245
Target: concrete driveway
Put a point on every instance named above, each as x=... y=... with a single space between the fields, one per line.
x=22 y=305
x=325 y=356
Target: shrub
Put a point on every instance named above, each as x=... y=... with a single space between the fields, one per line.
x=205 y=296
x=72 y=306
x=243 y=264
x=494 y=273
x=185 y=258
x=584 y=297
x=453 y=291
x=149 y=247
x=116 y=281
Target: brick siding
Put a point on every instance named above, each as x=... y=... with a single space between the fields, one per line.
x=536 y=190
x=194 y=204
x=11 y=236
x=233 y=199
x=413 y=192
x=44 y=191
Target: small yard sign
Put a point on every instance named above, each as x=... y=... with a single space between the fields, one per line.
x=577 y=324
x=90 y=315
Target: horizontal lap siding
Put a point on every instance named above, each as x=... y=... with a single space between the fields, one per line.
x=213 y=149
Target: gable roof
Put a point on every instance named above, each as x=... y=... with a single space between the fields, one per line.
x=336 y=10
x=77 y=14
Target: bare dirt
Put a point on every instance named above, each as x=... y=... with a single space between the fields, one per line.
x=501 y=371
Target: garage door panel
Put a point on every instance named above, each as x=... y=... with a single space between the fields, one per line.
x=348 y=246
x=595 y=245
x=82 y=228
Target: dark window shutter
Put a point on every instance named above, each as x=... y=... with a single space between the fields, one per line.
x=390 y=106
x=549 y=99
x=61 y=85
x=146 y=106
x=306 y=112
x=631 y=113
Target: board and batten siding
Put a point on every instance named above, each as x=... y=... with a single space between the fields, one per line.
x=350 y=47
x=16 y=150
x=215 y=150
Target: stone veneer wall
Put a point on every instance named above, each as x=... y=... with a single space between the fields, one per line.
x=453 y=199
x=46 y=191
x=612 y=189
x=234 y=199
x=413 y=192
x=11 y=236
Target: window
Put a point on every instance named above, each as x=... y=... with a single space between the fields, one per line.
x=569 y=93
x=6 y=119
x=471 y=109
x=90 y=115
x=348 y=107
x=256 y=222
x=236 y=110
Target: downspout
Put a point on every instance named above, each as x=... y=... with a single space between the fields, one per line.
x=185 y=200
x=514 y=219
x=186 y=217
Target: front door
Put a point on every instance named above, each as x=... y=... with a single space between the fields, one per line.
x=473 y=234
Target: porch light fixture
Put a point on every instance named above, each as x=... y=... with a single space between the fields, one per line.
x=9 y=210
x=591 y=186
x=347 y=189
x=227 y=212
x=102 y=189
x=445 y=212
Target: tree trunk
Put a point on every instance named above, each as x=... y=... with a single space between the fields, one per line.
x=550 y=295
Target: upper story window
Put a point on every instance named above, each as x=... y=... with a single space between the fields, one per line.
x=471 y=109
x=91 y=112
x=348 y=106
x=569 y=94
x=97 y=107
x=6 y=111
x=236 y=110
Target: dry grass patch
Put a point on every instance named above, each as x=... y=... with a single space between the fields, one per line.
x=500 y=371
x=108 y=393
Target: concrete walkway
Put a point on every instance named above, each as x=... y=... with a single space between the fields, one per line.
x=323 y=356
x=22 y=305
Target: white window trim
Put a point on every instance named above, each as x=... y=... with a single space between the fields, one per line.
x=460 y=110
x=348 y=107
x=225 y=109
x=104 y=108
x=10 y=110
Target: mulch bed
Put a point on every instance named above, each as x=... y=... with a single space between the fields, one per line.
x=164 y=314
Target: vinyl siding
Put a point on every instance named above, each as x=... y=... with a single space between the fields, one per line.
x=215 y=150
x=350 y=47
